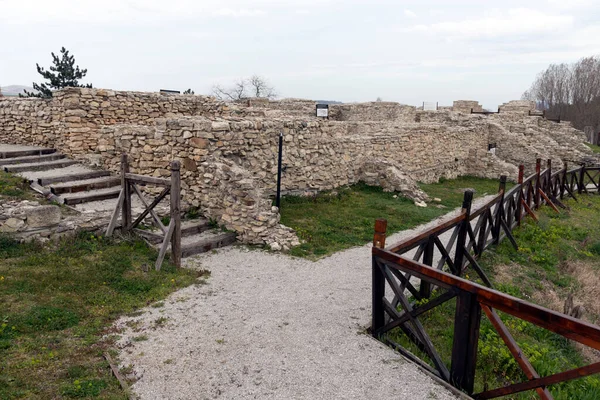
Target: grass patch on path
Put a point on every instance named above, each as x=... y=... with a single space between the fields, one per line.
x=56 y=303
x=13 y=187
x=338 y=220
x=558 y=256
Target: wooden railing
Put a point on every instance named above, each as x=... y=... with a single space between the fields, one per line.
x=172 y=233
x=440 y=258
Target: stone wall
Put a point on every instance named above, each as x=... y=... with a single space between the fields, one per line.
x=229 y=151
x=465 y=106
x=374 y=111
x=30 y=121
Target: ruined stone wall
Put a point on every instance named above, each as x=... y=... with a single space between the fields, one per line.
x=229 y=151
x=374 y=111
x=465 y=106
x=229 y=165
x=71 y=120
x=30 y=121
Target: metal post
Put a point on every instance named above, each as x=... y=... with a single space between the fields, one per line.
x=278 y=199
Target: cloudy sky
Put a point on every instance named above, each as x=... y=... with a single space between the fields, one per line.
x=348 y=50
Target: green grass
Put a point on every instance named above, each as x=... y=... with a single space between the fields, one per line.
x=595 y=149
x=330 y=222
x=56 y=303
x=13 y=187
x=540 y=266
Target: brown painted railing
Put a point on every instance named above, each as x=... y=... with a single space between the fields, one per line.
x=441 y=262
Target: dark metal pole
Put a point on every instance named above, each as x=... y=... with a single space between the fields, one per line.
x=278 y=199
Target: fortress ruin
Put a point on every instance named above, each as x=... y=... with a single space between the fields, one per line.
x=228 y=151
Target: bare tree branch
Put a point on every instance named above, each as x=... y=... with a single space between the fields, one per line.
x=255 y=86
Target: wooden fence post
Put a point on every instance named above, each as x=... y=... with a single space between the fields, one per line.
x=580 y=186
x=499 y=211
x=461 y=240
x=519 y=210
x=538 y=183
x=378 y=280
x=126 y=209
x=548 y=188
x=563 y=180
x=466 y=339
x=425 y=287
x=175 y=213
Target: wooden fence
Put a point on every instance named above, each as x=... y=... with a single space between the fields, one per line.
x=172 y=186
x=441 y=264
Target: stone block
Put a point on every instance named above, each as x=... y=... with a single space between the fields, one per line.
x=41 y=216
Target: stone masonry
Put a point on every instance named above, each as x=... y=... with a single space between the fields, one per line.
x=229 y=151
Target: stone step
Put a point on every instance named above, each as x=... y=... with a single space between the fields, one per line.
x=24 y=153
x=92 y=195
x=72 y=177
x=43 y=166
x=85 y=185
x=202 y=243
x=188 y=228
x=31 y=159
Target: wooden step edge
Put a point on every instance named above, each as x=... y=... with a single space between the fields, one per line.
x=73 y=177
x=152 y=237
x=40 y=166
x=83 y=187
x=90 y=197
x=31 y=159
x=24 y=153
x=207 y=244
x=202 y=226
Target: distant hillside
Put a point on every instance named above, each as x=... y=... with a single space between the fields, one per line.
x=14 y=90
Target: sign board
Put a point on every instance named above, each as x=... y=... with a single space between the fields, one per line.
x=323 y=110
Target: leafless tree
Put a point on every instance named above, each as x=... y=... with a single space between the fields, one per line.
x=571 y=92
x=261 y=88
x=255 y=86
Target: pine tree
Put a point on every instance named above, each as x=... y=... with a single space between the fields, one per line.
x=62 y=74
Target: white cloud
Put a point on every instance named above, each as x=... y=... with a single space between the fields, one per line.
x=410 y=14
x=496 y=23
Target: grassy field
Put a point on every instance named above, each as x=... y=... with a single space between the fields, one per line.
x=335 y=221
x=56 y=303
x=558 y=256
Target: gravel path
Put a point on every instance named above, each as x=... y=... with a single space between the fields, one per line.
x=270 y=326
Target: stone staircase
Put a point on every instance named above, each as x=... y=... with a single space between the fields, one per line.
x=89 y=190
